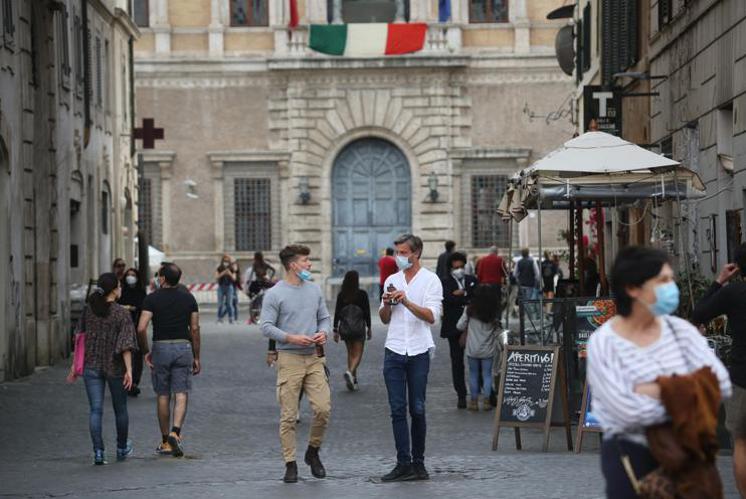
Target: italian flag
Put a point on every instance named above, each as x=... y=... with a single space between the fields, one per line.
x=367 y=39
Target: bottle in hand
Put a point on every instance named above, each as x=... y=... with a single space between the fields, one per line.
x=391 y=289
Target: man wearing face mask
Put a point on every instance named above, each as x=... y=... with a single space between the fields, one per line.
x=133 y=295
x=457 y=289
x=294 y=314
x=411 y=304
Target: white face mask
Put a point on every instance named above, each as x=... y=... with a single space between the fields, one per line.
x=130 y=280
x=458 y=273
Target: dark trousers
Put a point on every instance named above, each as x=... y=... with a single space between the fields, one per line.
x=95 y=385
x=618 y=485
x=457 y=366
x=406 y=384
x=137 y=362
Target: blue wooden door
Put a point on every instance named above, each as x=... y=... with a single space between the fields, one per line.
x=371 y=192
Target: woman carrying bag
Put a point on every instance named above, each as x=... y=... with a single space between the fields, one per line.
x=352 y=324
x=631 y=360
x=109 y=343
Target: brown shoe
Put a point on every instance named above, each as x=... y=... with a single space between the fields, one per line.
x=486 y=405
x=473 y=405
x=174 y=441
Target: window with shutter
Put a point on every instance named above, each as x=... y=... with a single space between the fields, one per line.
x=63 y=47
x=664 y=13
x=9 y=26
x=585 y=53
x=619 y=46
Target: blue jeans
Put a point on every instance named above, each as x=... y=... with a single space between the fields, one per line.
x=474 y=365
x=406 y=380
x=95 y=384
x=235 y=304
x=225 y=301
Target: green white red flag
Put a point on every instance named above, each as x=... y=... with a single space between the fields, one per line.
x=367 y=39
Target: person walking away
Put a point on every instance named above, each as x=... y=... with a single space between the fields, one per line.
x=225 y=278
x=441 y=268
x=118 y=267
x=352 y=324
x=294 y=314
x=628 y=354
x=110 y=341
x=237 y=287
x=457 y=291
x=491 y=271
x=411 y=304
x=175 y=356
x=726 y=297
x=529 y=280
x=386 y=267
x=133 y=295
x=480 y=327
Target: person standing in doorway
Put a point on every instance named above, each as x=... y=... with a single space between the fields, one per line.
x=386 y=267
x=110 y=341
x=174 y=358
x=441 y=268
x=411 y=304
x=225 y=278
x=294 y=314
x=352 y=324
x=457 y=290
x=729 y=298
x=529 y=278
x=133 y=296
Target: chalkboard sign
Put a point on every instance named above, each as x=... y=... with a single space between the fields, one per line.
x=528 y=385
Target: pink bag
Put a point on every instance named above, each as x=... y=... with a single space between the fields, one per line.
x=79 y=356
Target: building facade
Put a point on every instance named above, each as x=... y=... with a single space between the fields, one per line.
x=67 y=177
x=268 y=143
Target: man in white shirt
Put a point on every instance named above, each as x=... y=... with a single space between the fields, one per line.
x=411 y=303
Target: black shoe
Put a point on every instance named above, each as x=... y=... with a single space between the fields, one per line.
x=461 y=403
x=420 y=472
x=134 y=392
x=313 y=460
x=401 y=473
x=291 y=472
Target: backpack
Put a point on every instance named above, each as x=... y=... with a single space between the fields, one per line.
x=352 y=324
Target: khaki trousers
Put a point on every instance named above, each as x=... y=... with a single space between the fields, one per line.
x=306 y=372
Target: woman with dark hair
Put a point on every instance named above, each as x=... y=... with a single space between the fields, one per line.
x=133 y=294
x=480 y=324
x=259 y=276
x=109 y=343
x=628 y=354
x=352 y=324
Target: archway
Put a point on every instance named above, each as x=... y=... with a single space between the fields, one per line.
x=371 y=203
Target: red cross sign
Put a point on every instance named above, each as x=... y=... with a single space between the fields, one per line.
x=148 y=133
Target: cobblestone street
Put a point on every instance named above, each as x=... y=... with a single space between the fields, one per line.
x=232 y=447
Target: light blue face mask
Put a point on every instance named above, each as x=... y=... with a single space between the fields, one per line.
x=666 y=299
x=403 y=262
x=305 y=275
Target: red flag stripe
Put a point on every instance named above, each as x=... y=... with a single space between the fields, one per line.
x=405 y=38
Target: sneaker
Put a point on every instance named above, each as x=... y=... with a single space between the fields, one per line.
x=98 y=457
x=461 y=404
x=420 y=471
x=312 y=459
x=349 y=380
x=486 y=404
x=291 y=472
x=473 y=405
x=174 y=441
x=400 y=473
x=164 y=448
x=123 y=454
x=357 y=387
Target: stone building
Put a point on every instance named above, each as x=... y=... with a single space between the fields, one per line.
x=267 y=142
x=67 y=179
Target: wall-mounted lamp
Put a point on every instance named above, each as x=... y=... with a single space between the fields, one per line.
x=191 y=189
x=432 y=184
x=304 y=191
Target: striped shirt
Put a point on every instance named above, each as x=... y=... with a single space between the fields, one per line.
x=616 y=366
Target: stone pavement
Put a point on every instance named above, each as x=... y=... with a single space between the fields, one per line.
x=232 y=445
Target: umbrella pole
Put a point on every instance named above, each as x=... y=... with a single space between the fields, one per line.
x=601 y=248
x=571 y=241
x=507 y=285
x=581 y=252
x=541 y=290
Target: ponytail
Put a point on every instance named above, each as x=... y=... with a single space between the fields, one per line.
x=97 y=300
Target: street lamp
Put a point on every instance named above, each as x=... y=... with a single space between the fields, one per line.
x=304 y=191
x=432 y=184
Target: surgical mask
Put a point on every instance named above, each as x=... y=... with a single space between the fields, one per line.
x=458 y=273
x=130 y=280
x=304 y=275
x=403 y=262
x=666 y=299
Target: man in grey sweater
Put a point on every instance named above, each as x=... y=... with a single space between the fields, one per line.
x=294 y=314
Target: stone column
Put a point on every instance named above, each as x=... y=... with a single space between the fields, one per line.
x=215 y=29
x=337 y=12
x=399 y=17
x=521 y=27
x=166 y=172
x=217 y=182
x=160 y=26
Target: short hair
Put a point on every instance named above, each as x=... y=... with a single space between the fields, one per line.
x=525 y=252
x=450 y=245
x=291 y=252
x=493 y=249
x=456 y=256
x=634 y=265
x=739 y=257
x=171 y=273
x=414 y=243
x=389 y=251
x=118 y=262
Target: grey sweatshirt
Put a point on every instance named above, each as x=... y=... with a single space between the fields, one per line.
x=481 y=339
x=289 y=309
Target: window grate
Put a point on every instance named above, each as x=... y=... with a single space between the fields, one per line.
x=145 y=210
x=487 y=228
x=253 y=217
x=249 y=13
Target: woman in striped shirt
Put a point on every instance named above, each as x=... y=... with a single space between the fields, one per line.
x=628 y=353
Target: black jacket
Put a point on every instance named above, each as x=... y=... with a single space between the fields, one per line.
x=453 y=306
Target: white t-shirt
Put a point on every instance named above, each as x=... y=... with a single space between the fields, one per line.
x=407 y=334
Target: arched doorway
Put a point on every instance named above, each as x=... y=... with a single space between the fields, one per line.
x=371 y=203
